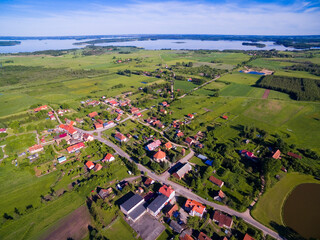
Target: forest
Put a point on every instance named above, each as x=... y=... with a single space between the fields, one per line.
x=306 y=66
x=302 y=89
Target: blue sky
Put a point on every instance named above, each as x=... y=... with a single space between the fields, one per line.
x=83 y=17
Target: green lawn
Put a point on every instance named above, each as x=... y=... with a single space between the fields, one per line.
x=119 y=230
x=33 y=225
x=269 y=207
x=235 y=89
x=20 y=143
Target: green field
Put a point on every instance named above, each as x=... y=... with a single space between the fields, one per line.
x=269 y=207
x=120 y=230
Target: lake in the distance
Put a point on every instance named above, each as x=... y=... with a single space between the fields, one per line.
x=301 y=210
x=40 y=45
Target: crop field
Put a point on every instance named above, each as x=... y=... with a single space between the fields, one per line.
x=269 y=207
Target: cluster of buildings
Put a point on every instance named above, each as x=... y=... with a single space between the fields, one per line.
x=155 y=122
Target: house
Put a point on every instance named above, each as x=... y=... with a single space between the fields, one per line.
x=52 y=117
x=173 y=209
x=160 y=156
x=118 y=118
x=3 y=130
x=108 y=158
x=35 y=148
x=75 y=147
x=284 y=169
x=134 y=110
x=119 y=111
x=168 y=145
x=248 y=237
x=164 y=104
x=120 y=137
x=113 y=102
x=98 y=126
x=44 y=107
x=249 y=155
x=103 y=193
x=189 y=141
x=191 y=116
x=180 y=134
x=222 y=220
x=203 y=236
x=154 y=145
x=225 y=117
x=294 y=155
x=93 y=103
x=93 y=114
x=62 y=159
x=78 y=120
x=194 y=208
x=61 y=137
x=100 y=121
x=277 y=154
x=90 y=165
x=202 y=157
x=182 y=171
x=148 y=182
x=220 y=196
x=134 y=207
x=216 y=181
x=87 y=137
x=69 y=122
x=185 y=236
x=97 y=167
x=167 y=191
x=157 y=204
x=108 y=124
x=68 y=128
x=175 y=226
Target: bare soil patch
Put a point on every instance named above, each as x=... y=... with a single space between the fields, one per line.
x=266 y=94
x=74 y=226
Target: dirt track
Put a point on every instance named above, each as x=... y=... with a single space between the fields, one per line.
x=266 y=94
x=74 y=226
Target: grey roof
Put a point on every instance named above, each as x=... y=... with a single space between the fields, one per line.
x=137 y=212
x=175 y=226
x=185 y=168
x=131 y=202
x=157 y=203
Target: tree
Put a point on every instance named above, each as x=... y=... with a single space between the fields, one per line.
x=193 y=222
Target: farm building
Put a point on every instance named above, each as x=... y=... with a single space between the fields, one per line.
x=62 y=159
x=134 y=207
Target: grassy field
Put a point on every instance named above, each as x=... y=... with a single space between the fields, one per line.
x=20 y=143
x=120 y=230
x=269 y=207
x=34 y=224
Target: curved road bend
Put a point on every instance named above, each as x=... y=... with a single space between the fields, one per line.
x=180 y=190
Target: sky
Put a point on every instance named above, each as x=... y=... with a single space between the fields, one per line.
x=109 y=17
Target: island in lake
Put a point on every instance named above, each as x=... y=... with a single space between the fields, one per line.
x=9 y=43
x=259 y=45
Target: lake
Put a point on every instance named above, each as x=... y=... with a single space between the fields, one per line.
x=301 y=210
x=40 y=45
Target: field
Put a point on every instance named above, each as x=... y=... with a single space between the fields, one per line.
x=269 y=207
x=120 y=230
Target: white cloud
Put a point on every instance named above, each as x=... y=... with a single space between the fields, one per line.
x=168 y=17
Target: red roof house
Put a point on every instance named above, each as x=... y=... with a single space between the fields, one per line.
x=294 y=155
x=160 y=156
x=35 y=148
x=97 y=167
x=203 y=236
x=195 y=208
x=134 y=110
x=75 y=147
x=167 y=191
x=225 y=117
x=120 y=137
x=216 y=181
x=108 y=158
x=248 y=237
x=277 y=154
x=90 y=165
x=93 y=114
x=189 y=140
x=223 y=220
x=98 y=126
x=191 y=116
x=44 y=107
x=168 y=145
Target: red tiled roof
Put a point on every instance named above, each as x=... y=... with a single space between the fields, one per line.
x=166 y=190
x=203 y=236
x=70 y=129
x=186 y=237
x=248 y=237
x=225 y=117
x=173 y=209
x=160 y=155
x=44 y=107
x=108 y=157
x=35 y=147
x=195 y=206
x=294 y=155
x=215 y=181
x=190 y=115
x=93 y=114
x=120 y=136
x=180 y=134
x=168 y=145
x=89 y=164
x=75 y=147
x=224 y=220
x=189 y=140
x=98 y=125
x=276 y=155
x=148 y=181
x=221 y=194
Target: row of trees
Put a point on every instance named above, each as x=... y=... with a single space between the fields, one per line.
x=306 y=66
